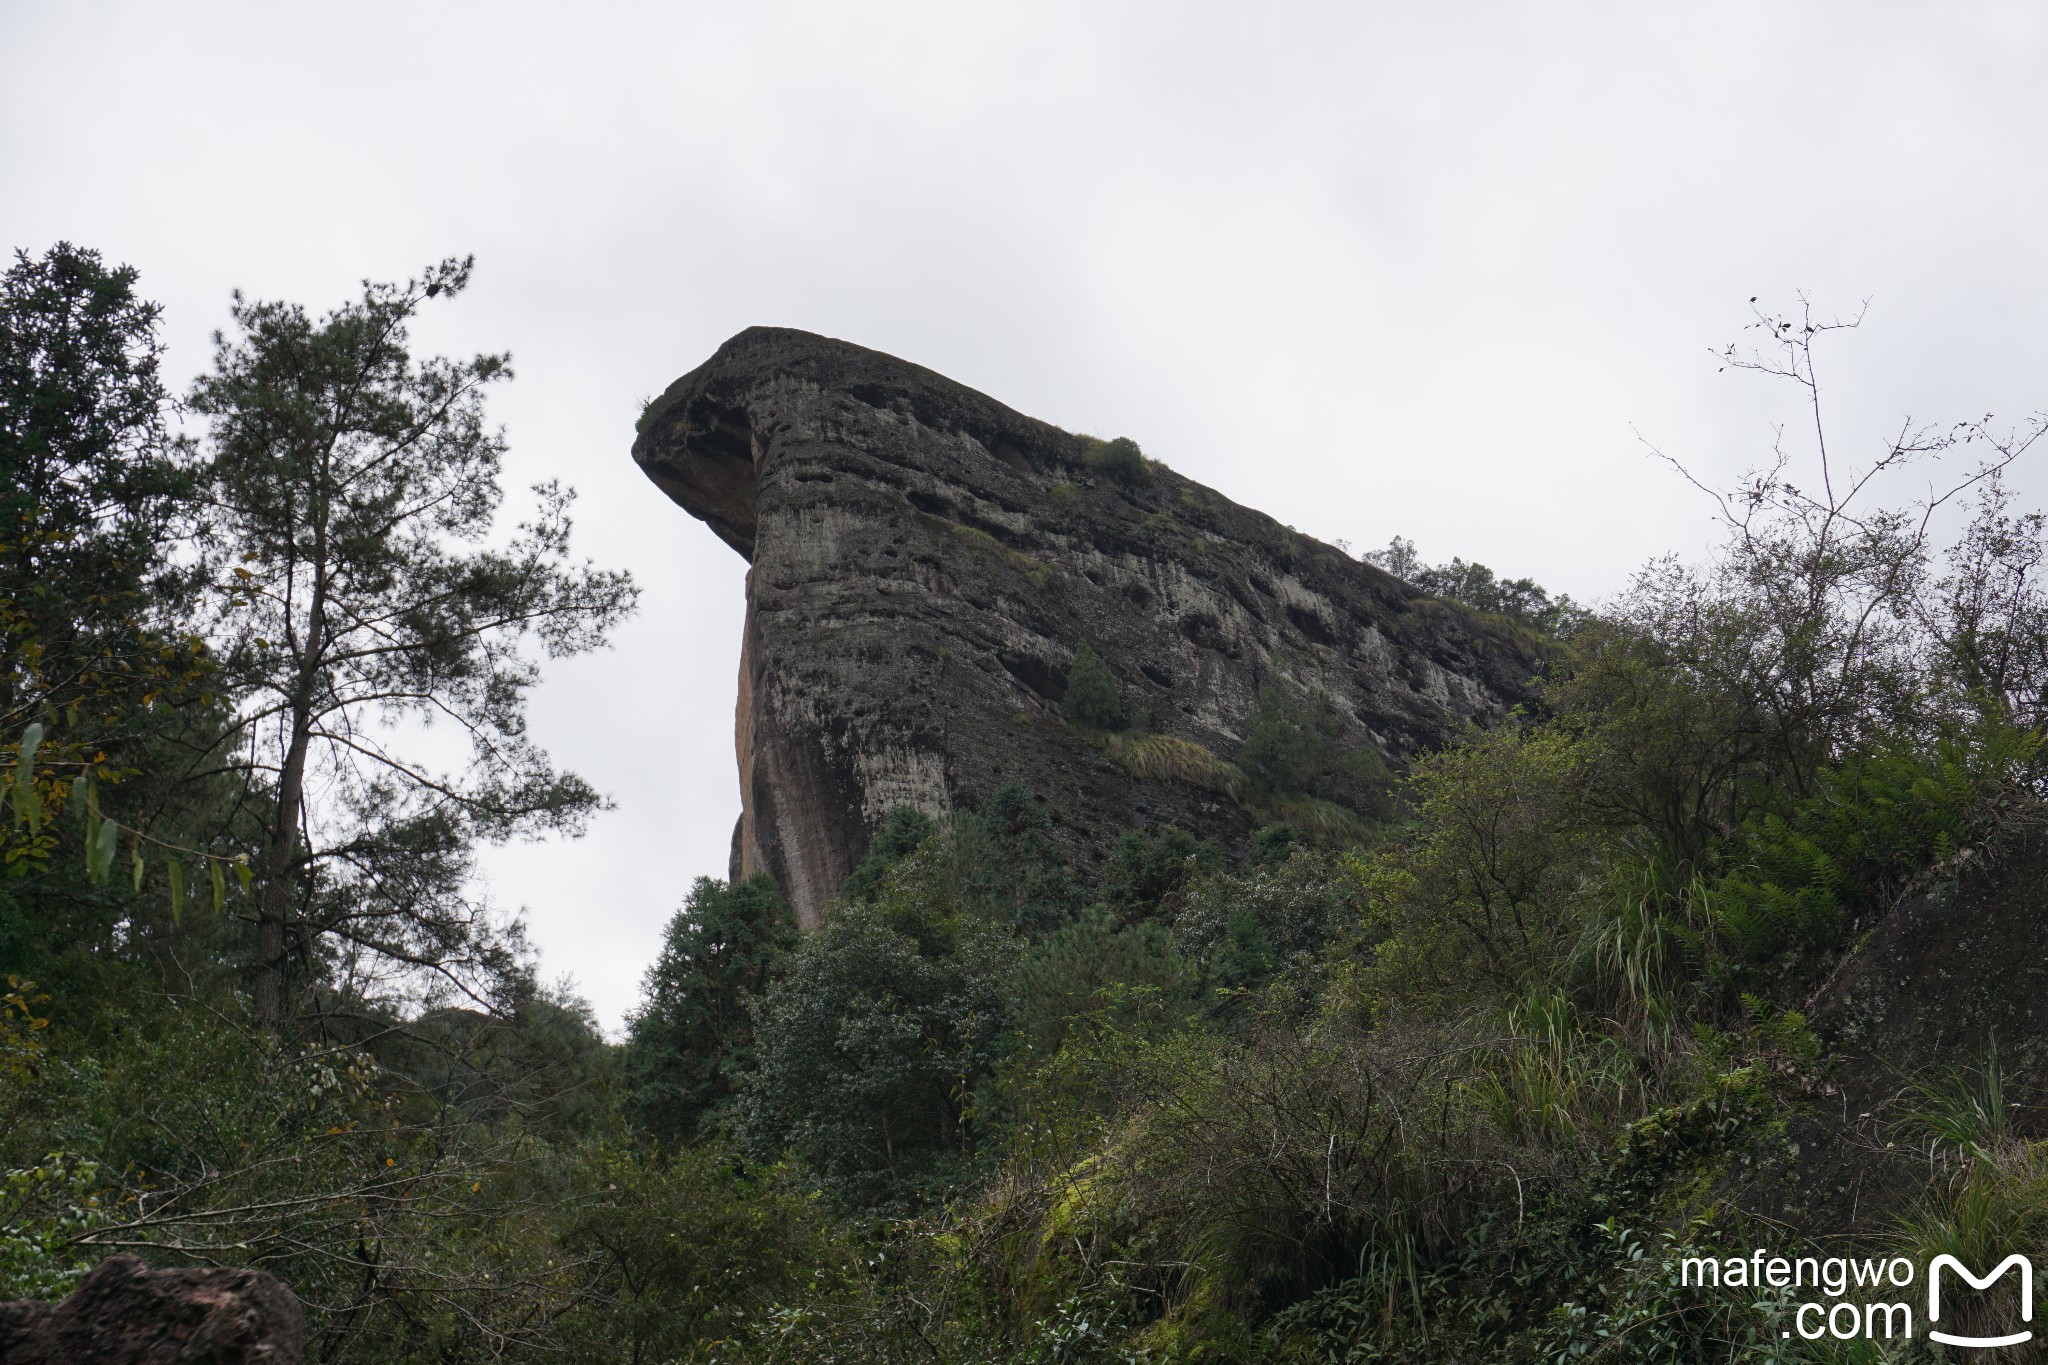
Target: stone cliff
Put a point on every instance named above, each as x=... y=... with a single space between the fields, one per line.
x=924 y=563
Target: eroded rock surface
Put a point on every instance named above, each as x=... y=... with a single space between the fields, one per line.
x=124 y=1313
x=924 y=563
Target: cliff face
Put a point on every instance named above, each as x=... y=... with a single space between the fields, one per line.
x=925 y=562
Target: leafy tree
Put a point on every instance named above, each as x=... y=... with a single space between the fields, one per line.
x=541 y=1060
x=1493 y=890
x=1990 y=610
x=349 y=492
x=694 y=1028
x=1148 y=868
x=1006 y=867
x=1092 y=697
x=92 y=641
x=89 y=486
x=869 y=1051
x=1269 y=920
x=902 y=830
x=1086 y=968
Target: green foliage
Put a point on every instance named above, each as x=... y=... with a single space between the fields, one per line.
x=540 y=1062
x=1119 y=459
x=90 y=493
x=693 y=1031
x=1085 y=969
x=1091 y=696
x=1798 y=866
x=1271 y=846
x=1519 y=600
x=1293 y=750
x=98 y=672
x=691 y=1254
x=1491 y=891
x=869 y=1051
x=1269 y=923
x=1002 y=864
x=1148 y=870
x=45 y=1210
x=902 y=830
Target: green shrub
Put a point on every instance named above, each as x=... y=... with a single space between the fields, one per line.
x=1877 y=818
x=675 y=1253
x=1085 y=968
x=1092 y=698
x=1268 y=922
x=1491 y=892
x=1148 y=870
x=1296 y=749
x=1120 y=459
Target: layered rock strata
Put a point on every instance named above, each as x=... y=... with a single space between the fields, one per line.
x=924 y=563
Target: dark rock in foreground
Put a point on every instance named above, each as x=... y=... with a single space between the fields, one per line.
x=925 y=562
x=124 y=1313
x=1949 y=979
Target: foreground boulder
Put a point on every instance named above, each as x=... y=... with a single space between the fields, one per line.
x=124 y=1313
x=925 y=564
x=1947 y=981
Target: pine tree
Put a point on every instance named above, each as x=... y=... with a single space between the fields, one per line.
x=351 y=493
x=694 y=1029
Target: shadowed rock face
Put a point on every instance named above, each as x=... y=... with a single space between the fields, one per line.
x=924 y=563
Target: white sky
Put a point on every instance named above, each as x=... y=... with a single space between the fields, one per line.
x=1372 y=268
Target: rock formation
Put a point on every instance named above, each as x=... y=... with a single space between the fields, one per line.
x=124 y=1313
x=1948 y=981
x=924 y=563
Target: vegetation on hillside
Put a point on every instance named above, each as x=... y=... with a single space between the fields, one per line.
x=1445 y=1067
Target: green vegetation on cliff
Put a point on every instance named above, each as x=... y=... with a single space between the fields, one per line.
x=1447 y=1067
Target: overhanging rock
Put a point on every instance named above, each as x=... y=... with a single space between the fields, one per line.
x=924 y=562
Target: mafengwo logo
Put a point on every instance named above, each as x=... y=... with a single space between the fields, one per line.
x=1861 y=1298
x=2012 y=1262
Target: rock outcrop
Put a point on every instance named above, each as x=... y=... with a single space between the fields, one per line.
x=924 y=563
x=124 y=1313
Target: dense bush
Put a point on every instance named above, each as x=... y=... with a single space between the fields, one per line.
x=1091 y=698
x=1119 y=458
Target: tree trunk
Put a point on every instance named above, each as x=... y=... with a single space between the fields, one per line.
x=273 y=912
x=274 y=909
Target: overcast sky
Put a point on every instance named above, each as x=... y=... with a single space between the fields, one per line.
x=1375 y=269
